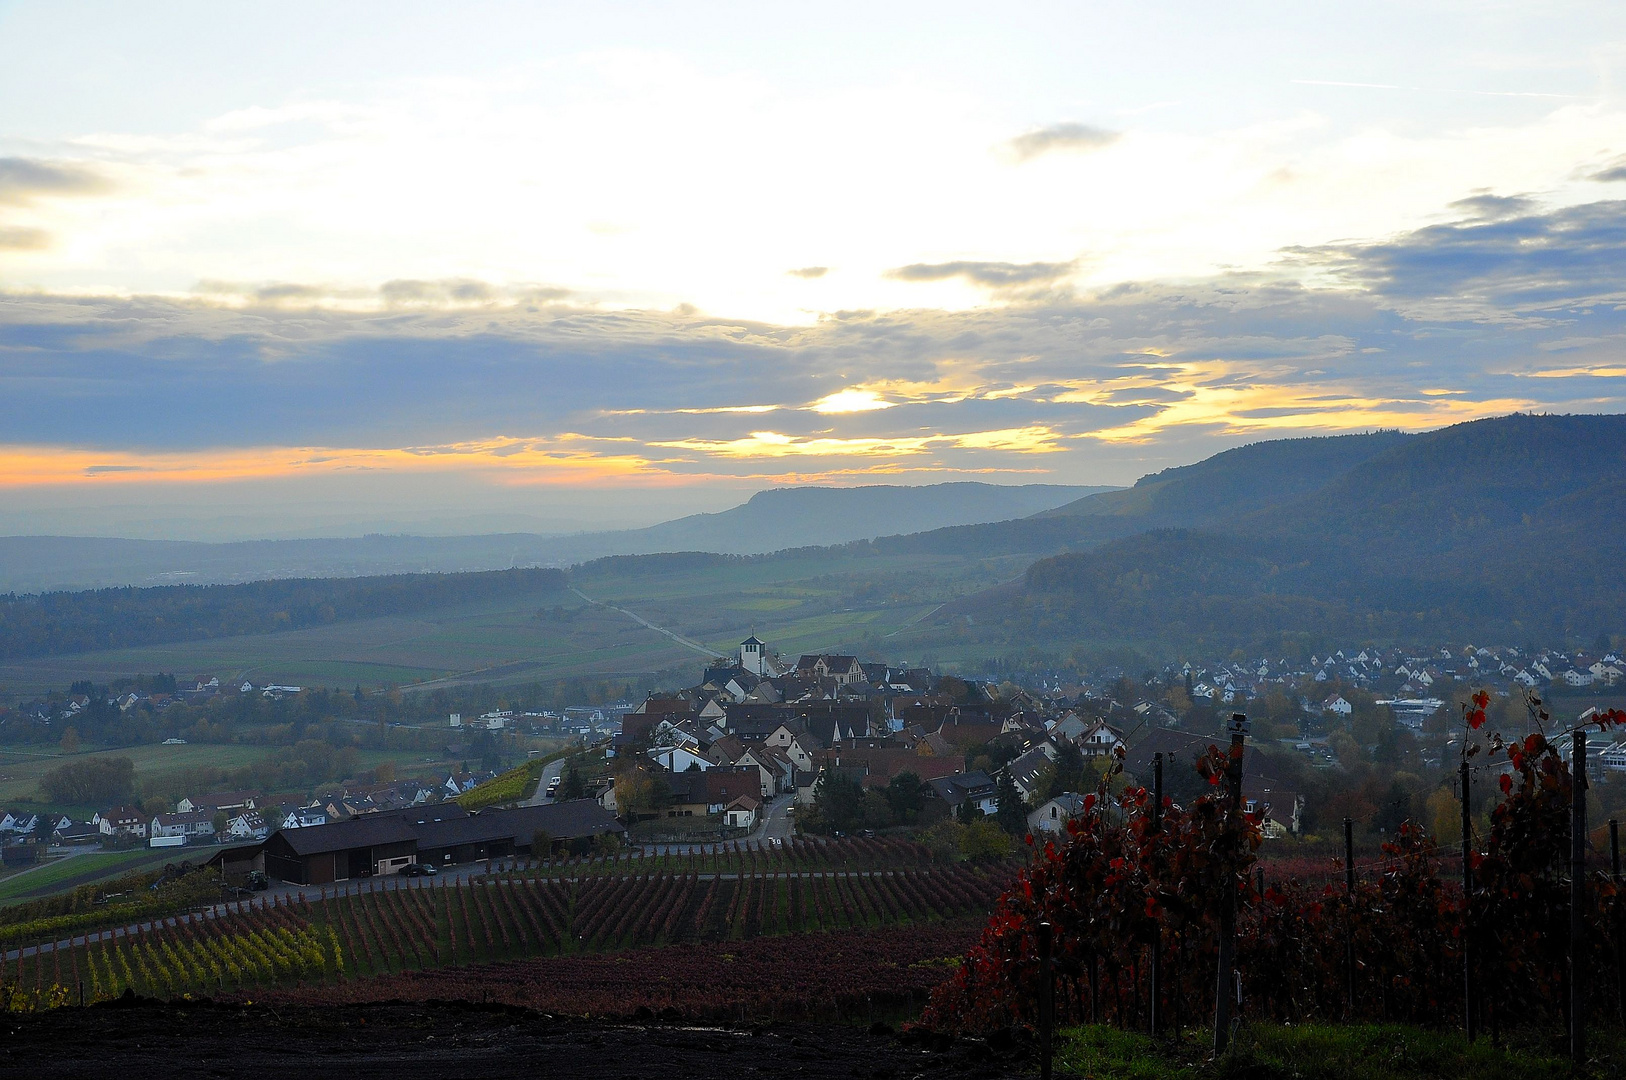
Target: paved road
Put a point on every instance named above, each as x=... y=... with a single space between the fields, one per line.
x=552 y=769
x=776 y=824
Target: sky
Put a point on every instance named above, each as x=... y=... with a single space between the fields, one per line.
x=326 y=269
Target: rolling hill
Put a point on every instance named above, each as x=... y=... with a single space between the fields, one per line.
x=769 y=521
x=1506 y=528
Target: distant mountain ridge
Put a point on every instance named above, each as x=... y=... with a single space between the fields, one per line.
x=1506 y=528
x=769 y=521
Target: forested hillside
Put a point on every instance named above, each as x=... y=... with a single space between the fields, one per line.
x=1506 y=528
x=55 y=623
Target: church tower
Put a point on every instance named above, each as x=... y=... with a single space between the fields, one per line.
x=754 y=656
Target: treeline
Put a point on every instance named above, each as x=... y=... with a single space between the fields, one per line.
x=1190 y=588
x=48 y=624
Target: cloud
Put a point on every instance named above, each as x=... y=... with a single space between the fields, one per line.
x=452 y=291
x=22 y=180
x=1064 y=136
x=999 y=276
x=1445 y=323
x=284 y=291
x=809 y=272
x=1488 y=207
x=1506 y=261
x=1615 y=170
x=17 y=238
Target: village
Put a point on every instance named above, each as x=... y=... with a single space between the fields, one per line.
x=831 y=743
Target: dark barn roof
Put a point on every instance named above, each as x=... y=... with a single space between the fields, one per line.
x=368 y=830
x=561 y=821
x=447 y=825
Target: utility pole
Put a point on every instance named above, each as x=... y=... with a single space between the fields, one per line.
x=1578 y=786
x=1155 y=1012
x=1349 y=911
x=1224 y=981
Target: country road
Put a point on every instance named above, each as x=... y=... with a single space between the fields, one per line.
x=641 y=621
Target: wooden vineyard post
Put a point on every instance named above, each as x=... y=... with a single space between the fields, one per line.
x=1578 y=973
x=1620 y=915
x=1224 y=977
x=1047 y=999
x=1349 y=912
x=1155 y=1009
x=1467 y=907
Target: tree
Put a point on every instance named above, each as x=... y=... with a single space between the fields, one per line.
x=70 y=741
x=1012 y=811
x=986 y=840
x=906 y=796
x=572 y=786
x=1394 y=810
x=640 y=791
x=838 y=800
x=90 y=782
x=220 y=821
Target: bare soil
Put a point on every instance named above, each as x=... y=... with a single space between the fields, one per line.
x=135 y=1038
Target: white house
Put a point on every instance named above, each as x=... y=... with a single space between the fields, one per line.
x=122 y=820
x=1053 y=815
x=249 y=825
x=304 y=817
x=742 y=812
x=680 y=758
x=193 y=824
x=1099 y=739
x=1337 y=704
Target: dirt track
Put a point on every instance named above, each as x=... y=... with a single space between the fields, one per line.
x=180 y=1042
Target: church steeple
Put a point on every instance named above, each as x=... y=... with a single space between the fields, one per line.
x=754 y=655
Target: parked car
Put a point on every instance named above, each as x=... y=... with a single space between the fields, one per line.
x=418 y=869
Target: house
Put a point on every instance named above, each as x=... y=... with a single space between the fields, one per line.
x=303 y=817
x=249 y=825
x=1069 y=728
x=1052 y=815
x=228 y=801
x=76 y=832
x=122 y=821
x=457 y=784
x=681 y=758
x=1337 y=705
x=192 y=825
x=700 y=794
x=742 y=812
x=775 y=767
x=976 y=788
x=1099 y=739
x=1029 y=770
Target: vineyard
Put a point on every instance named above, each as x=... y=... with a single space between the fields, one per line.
x=1520 y=930
x=558 y=910
x=793 y=856
x=858 y=974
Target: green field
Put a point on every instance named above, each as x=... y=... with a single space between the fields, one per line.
x=820 y=602
x=20 y=773
x=1332 y=1052
x=70 y=871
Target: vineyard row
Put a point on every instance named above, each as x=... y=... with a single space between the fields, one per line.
x=387 y=929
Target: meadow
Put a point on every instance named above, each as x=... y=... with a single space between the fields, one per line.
x=819 y=601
